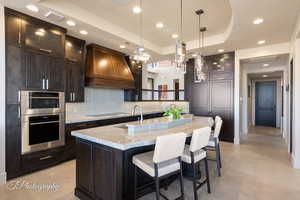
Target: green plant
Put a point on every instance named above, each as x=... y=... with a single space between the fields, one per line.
x=174 y=112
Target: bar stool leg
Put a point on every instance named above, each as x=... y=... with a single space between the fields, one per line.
x=207 y=175
x=181 y=179
x=156 y=182
x=220 y=155
x=194 y=177
x=135 y=182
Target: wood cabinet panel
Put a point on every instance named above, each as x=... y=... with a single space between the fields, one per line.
x=35 y=65
x=84 y=163
x=42 y=37
x=15 y=79
x=103 y=185
x=13 y=140
x=221 y=93
x=55 y=74
x=12 y=29
x=227 y=131
x=215 y=97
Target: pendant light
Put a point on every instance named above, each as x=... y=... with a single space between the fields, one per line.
x=180 y=53
x=140 y=56
x=201 y=73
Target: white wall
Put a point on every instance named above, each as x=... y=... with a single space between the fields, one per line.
x=295 y=55
x=250 y=68
x=277 y=49
x=2 y=97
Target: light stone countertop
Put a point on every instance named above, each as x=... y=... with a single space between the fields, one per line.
x=118 y=138
x=86 y=118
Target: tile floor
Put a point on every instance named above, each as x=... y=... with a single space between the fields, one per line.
x=258 y=169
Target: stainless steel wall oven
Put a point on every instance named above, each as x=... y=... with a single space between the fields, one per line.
x=43 y=119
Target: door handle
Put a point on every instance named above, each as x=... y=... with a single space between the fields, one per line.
x=47 y=83
x=43 y=83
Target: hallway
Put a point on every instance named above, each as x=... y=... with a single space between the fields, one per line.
x=258 y=169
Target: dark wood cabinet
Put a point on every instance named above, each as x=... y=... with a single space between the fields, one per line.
x=12 y=29
x=214 y=96
x=13 y=140
x=40 y=36
x=75 y=73
x=43 y=72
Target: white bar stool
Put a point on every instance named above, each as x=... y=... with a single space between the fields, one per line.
x=194 y=153
x=164 y=161
x=214 y=143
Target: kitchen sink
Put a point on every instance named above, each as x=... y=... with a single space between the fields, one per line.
x=108 y=114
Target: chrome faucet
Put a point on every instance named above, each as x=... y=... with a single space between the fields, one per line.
x=141 y=112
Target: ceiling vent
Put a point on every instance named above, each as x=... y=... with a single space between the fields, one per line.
x=52 y=16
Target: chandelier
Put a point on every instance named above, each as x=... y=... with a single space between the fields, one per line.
x=140 y=56
x=201 y=73
x=180 y=52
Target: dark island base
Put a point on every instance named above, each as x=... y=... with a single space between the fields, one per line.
x=106 y=173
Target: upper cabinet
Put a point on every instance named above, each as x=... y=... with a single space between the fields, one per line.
x=74 y=64
x=42 y=37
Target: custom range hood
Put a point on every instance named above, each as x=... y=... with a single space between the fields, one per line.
x=106 y=68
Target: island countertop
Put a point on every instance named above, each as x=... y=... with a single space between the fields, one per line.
x=117 y=137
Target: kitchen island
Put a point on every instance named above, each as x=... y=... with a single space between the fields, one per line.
x=103 y=157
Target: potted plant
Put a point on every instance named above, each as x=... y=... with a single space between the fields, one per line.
x=173 y=113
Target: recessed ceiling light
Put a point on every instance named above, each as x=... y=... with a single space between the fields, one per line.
x=32 y=8
x=175 y=36
x=194 y=55
x=136 y=9
x=71 y=23
x=258 y=21
x=266 y=65
x=122 y=46
x=83 y=32
x=264 y=76
x=261 y=42
x=159 y=25
x=215 y=63
x=221 y=50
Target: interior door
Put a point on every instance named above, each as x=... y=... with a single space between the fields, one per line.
x=291 y=104
x=265 y=103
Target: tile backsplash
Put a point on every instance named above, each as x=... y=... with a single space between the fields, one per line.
x=99 y=101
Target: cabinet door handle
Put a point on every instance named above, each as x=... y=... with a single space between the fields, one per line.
x=71 y=97
x=19 y=112
x=19 y=39
x=74 y=96
x=220 y=78
x=46 y=50
x=43 y=84
x=19 y=96
x=47 y=83
x=45 y=158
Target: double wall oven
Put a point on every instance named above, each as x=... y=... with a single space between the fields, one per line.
x=42 y=119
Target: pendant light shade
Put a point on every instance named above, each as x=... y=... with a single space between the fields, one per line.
x=201 y=70
x=180 y=52
x=140 y=56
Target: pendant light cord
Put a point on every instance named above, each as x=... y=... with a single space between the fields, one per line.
x=181 y=20
x=141 y=26
x=200 y=32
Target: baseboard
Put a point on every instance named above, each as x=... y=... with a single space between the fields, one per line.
x=295 y=163
x=2 y=178
x=236 y=140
